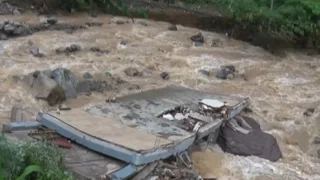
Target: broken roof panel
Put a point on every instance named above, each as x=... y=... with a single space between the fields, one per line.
x=133 y=130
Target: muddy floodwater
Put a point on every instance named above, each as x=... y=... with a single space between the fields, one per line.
x=280 y=89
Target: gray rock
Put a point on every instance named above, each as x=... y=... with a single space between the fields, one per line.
x=173 y=28
x=308 y=112
x=87 y=86
x=197 y=38
x=28 y=80
x=198 y=44
x=56 y=96
x=52 y=20
x=2 y=25
x=316 y=140
x=204 y=72
x=227 y=72
x=16 y=12
x=9 y=28
x=143 y=23
x=131 y=72
x=36 y=52
x=3 y=37
x=42 y=86
x=216 y=43
x=165 y=75
x=67 y=81
x=87 y=75
x=119 y=22
x=18 y=31
x=145 y=73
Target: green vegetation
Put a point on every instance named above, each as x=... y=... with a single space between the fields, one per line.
x=294 y=20
x=30 y=161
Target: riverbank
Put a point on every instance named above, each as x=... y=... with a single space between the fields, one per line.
x=203 y=18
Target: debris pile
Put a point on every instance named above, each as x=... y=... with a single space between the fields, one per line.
x=191 y=119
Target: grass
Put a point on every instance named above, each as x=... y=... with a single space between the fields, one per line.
x=31 y=160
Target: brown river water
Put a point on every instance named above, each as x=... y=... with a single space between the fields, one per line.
x=280 y=89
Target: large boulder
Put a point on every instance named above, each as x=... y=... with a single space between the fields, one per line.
x=67 y=81
x=256 y=142
x=43 y=87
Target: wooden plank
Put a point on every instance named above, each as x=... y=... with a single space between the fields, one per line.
x=110 y=130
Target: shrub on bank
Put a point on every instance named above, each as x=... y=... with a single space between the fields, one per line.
x=30 y=160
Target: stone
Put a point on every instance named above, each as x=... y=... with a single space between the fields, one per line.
x=36 y=52
x=172 y=27
x=119 y=22
x=216 y=43
x=2 y=24
x=75 y=47
x=318 y=153
x=256 y=143
x=145 y=73
x=108 y=74
x=97 y=49
x=124 y=43
x=165 y=75
x=198 y=44
x=227 y=72
x=143 y=23
x=87 y=86
x=16 y=12
x=9 y=28
x=131 y=71
x=18 y=31
x=67 y=81
x=56 y=96
x=18 y=114
x=60 y=50
x=308 y=112
x=3 y=36
x=42 y=86
x=316 y=140
x=197 y=38
x=87 y=75
x=52 y=20
x=204 y=72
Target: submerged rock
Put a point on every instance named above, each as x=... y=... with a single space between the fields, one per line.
x=70 y=49
x=93 y=85
x=216 y=43
x=119 y=22
x=204 y=72
x=165 y=75
x=172 y=27
x=97 y=49
x=227 y=72
x=197 y=38
x=131 y=71
x=36 y=52
x=87 y=75
x=52 y=20
x=308 y=112
x=67 y=81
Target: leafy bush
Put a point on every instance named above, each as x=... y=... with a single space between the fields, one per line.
x=24 y=158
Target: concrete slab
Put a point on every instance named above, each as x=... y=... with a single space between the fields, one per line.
x=133 y=130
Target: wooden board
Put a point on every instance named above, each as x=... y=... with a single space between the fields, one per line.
x=110 y=130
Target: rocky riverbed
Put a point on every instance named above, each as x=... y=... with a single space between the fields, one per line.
x=132 y=57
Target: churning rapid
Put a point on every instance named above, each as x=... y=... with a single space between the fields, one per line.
x=280 y=89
